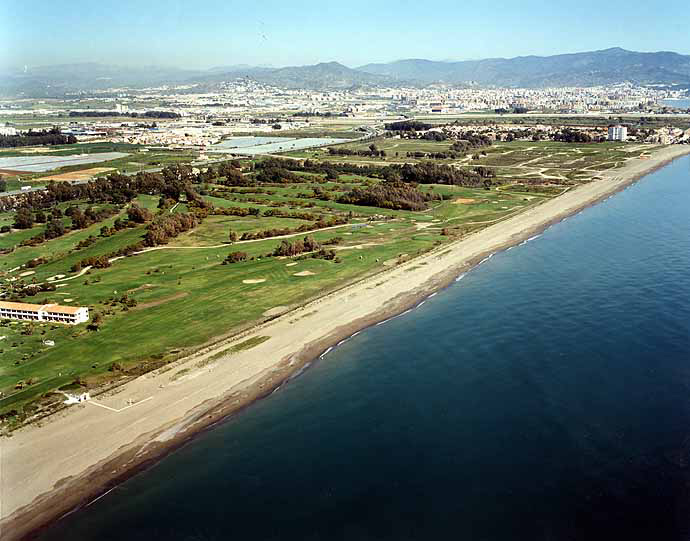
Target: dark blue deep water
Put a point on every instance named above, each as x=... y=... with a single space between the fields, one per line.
x=545 y=396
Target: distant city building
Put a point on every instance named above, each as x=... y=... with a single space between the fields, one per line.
x=8 y=130
x=55 y=313
x=618 y=133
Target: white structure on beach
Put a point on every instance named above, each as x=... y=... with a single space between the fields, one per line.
x=618 y=133
x=55 y=313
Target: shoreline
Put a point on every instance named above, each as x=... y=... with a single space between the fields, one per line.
x=105 y=447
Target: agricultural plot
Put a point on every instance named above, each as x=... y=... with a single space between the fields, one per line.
x=41 y=164
x=251 y=146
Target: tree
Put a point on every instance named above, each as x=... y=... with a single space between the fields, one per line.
x=54 y=229
x=138 y=214
x=232 y=236
x=3 y=185
x=235 y=257
x=79 y=219
x=23 y=219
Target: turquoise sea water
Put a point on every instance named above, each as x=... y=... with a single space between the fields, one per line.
x=543 y=396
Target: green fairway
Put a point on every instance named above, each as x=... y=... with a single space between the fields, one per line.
x=152 y=307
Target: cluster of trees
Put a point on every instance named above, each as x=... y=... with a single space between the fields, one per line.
x=52 y=136
x=321 y=115
x=173 y=182
x=85 y=243
x=471 y=141
x=372 y=151
x=163 y=228
x=55 y=227
x=147 y=114
x=29 y=290
x=434 y=136
x=235 y=257
x=236 y=211
x=81 y=220
x=280 y=213
x=167 y=226
x=272 y=174
x=97 y=262
x=268 y=233
x=432 y=173
x=433 y=155
x=139 y=215
x=390 y=194
x=569 y=135
x=408 y=125
x=518 y=110
x=118 y=225
x=299 y=246
x=310 y=166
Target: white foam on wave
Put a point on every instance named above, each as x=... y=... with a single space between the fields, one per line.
x=485 y=259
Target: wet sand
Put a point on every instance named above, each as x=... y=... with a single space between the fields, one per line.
x=82 y=452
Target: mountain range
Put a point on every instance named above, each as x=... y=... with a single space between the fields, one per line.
x=607 y=66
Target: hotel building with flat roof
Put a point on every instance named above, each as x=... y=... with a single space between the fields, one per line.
x=54 y=313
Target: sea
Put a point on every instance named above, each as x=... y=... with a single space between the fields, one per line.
x=679 y=103
x=545 y=395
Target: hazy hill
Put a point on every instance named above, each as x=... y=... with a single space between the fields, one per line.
x=579 y=69
x=56 y=80
x=326 y=75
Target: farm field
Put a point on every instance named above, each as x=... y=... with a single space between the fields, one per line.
x=251 y=146
x=67 y=163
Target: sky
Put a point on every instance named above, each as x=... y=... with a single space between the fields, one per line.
x=209 y=33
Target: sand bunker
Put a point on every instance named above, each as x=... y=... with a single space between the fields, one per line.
x=68 y=300
x=463 y=201
x=291 y=264
x=304 y=273
x=276 y=311
x=254 y=281
x=27 y=273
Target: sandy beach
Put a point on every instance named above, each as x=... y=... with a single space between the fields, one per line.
x=66 y=461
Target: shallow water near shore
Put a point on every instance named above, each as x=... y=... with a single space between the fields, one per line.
x=546 y=395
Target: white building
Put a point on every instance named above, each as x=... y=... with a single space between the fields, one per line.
x=618 y=133
x=71 y=315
